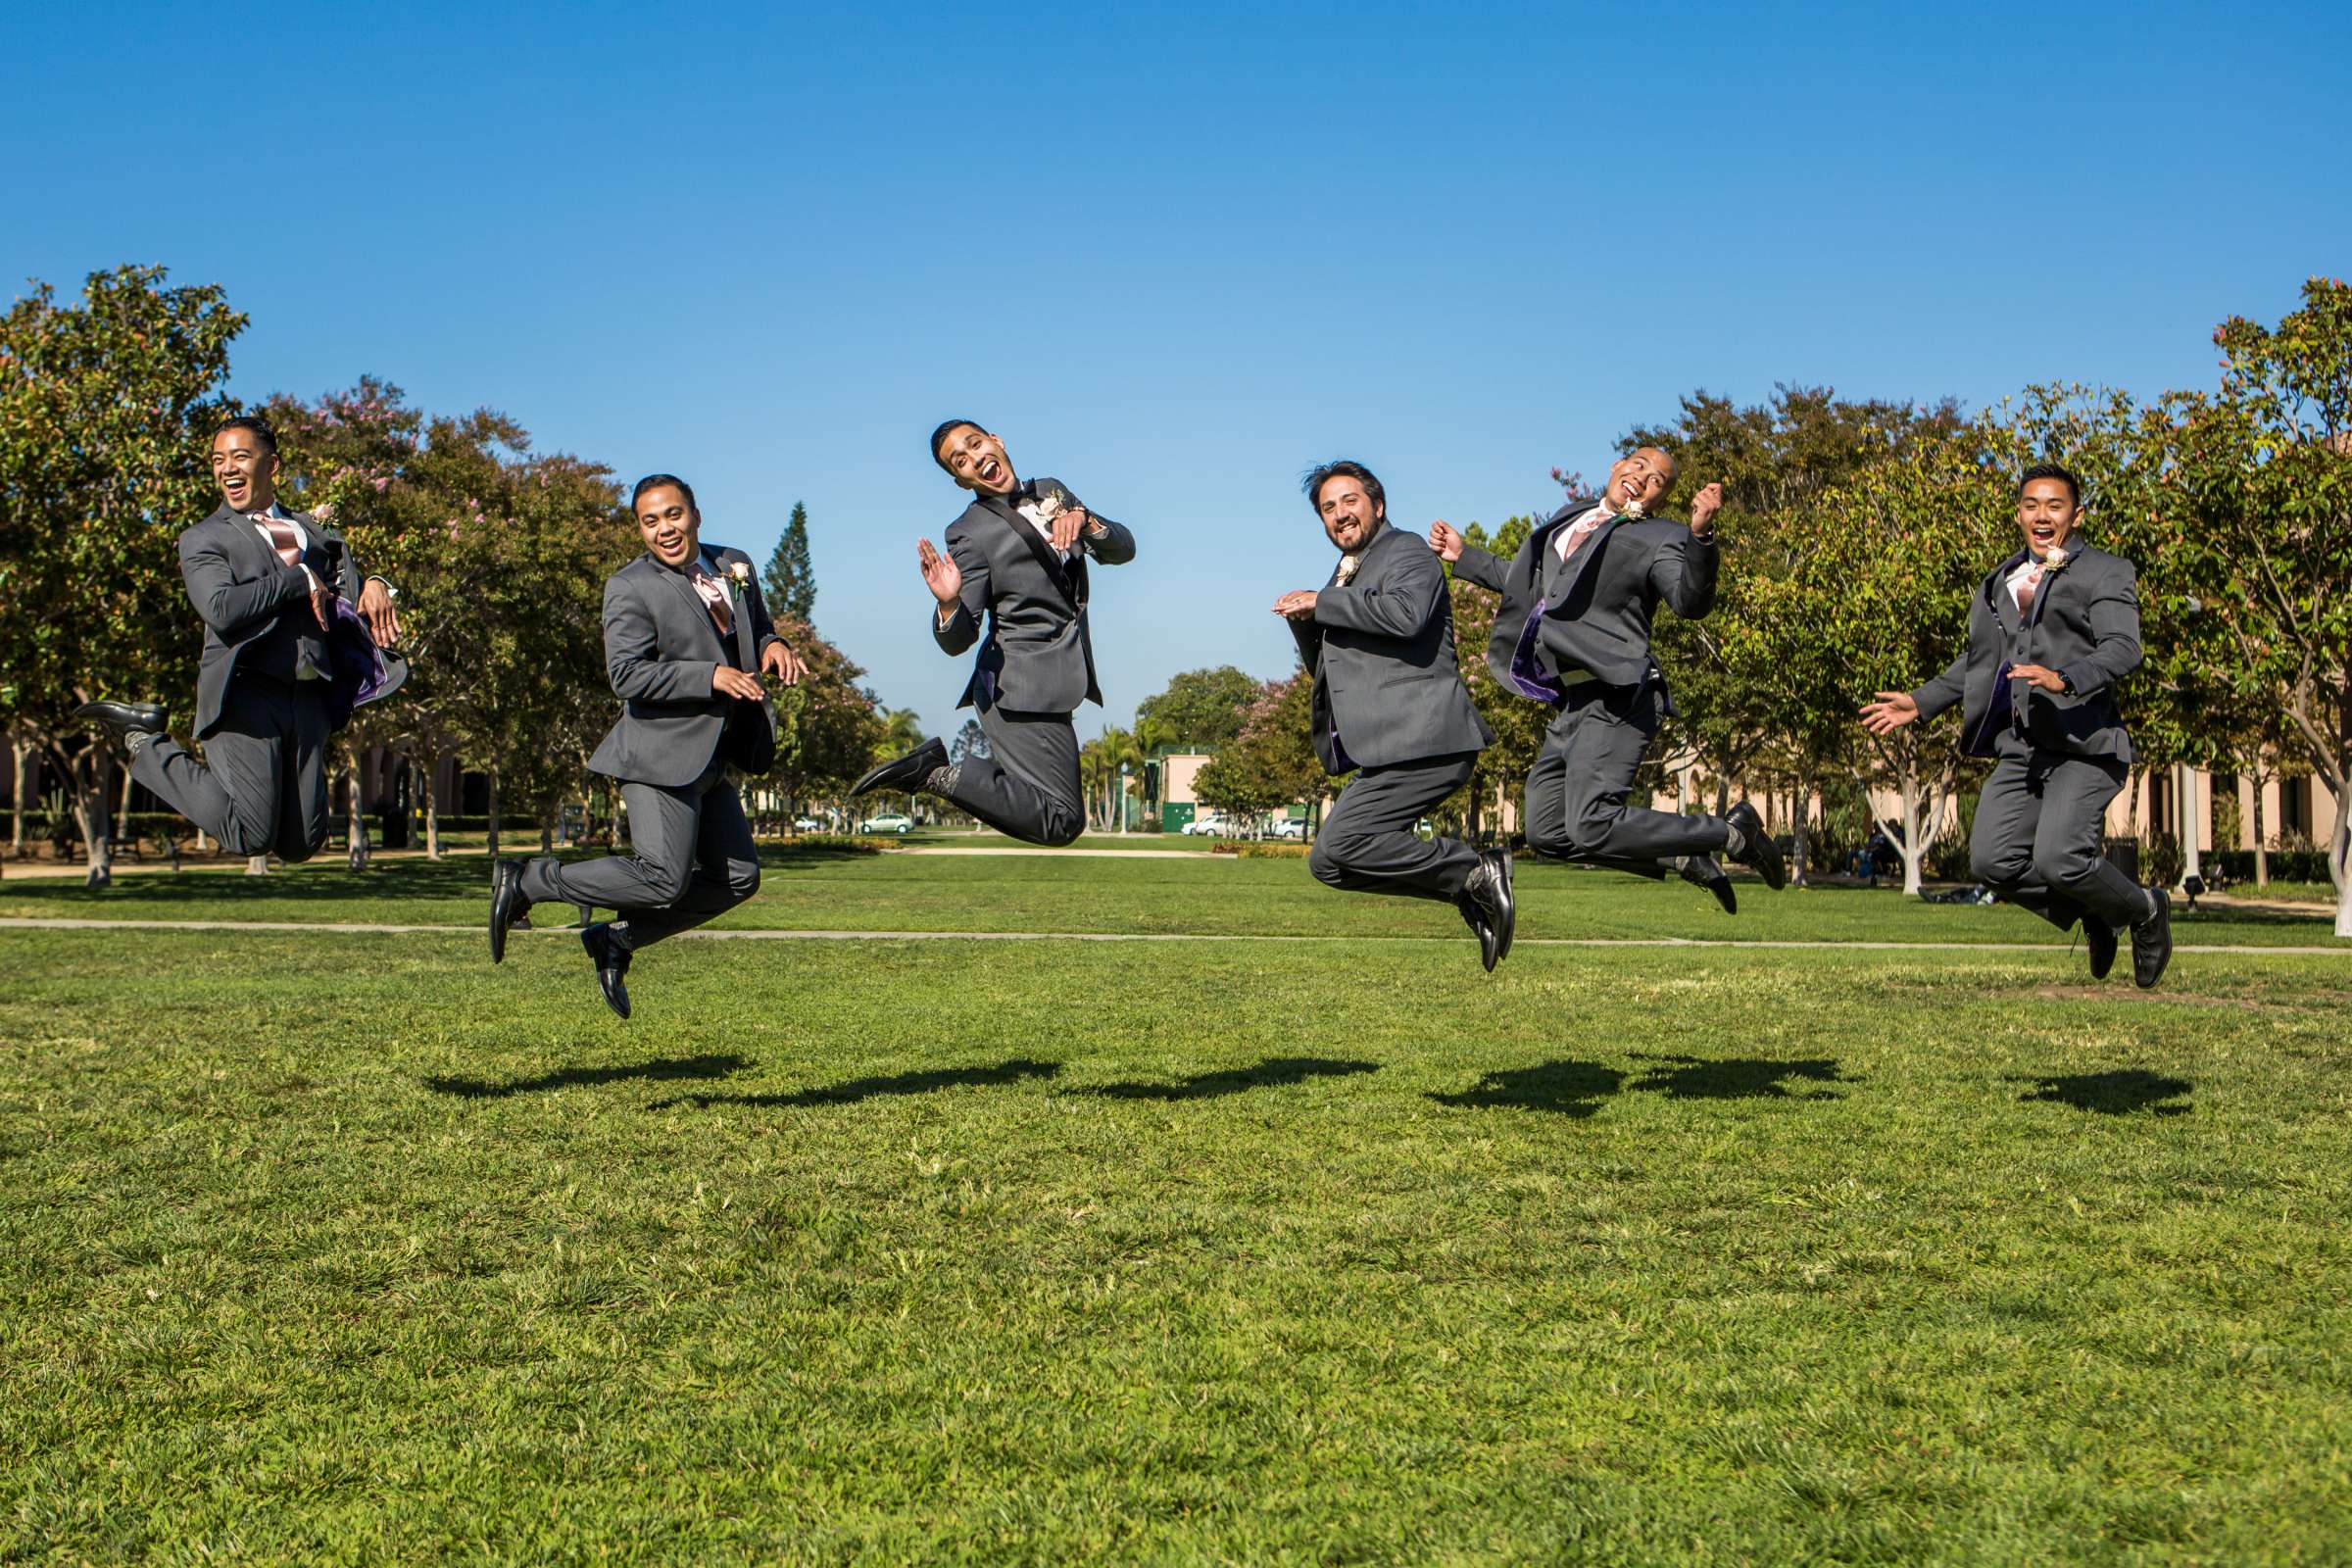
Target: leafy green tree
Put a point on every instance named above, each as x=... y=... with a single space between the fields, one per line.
x=106 y=409
x=2253 y=507
x=789 y=582
x=1200 y=710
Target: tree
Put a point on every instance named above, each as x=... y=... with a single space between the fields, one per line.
x=1876 y=599
x=1099 y=762
x=2253 y=505
x=106 y=408
x=898 y=731
x=1272 y=762
x=1502 y=768
x=789 y=583
x=1200 y=711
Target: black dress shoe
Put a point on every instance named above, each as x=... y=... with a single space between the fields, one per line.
x=2152 y=942
x=905 y=774
x=122 y=721
x=1506 y=904
x=1703 y=871
x=1758 y=852
x=1485 y=911
x=2099 y=943
x=612 y=962
x=507 y=905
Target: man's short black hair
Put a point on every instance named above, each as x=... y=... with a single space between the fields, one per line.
x=254 y=423
x=2050 y=470
x=946 y=426
x=1343 y=469
x=654 y=481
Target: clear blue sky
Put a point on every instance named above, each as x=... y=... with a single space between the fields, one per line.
x=1176 y=255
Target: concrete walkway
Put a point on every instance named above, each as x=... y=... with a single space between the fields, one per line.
x=2344 y=951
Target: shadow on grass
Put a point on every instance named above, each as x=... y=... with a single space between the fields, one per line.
x=1737 y=1077
x=1273 y=1073
x=2112 y=1094
x=660 y=1071
x=1569 y=1088
x=904 y=1083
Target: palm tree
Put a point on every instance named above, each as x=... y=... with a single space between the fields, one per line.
x=1118 y=749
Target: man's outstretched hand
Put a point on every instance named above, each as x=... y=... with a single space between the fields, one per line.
x=1890 y=713
x=782 y=663
x=1445 y=540
x=1296 y=605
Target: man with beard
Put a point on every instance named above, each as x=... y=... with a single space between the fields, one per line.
x=686 y=638
x=292 y=640
x=1017 y=559
x=2049 y=635
x=1573 y=633
x=1389 y=705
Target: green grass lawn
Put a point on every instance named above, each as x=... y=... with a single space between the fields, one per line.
x=834 y=890
x=353 y=1249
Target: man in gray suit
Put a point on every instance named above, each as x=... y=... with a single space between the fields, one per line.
x=286 y=657
x=1389 y=705
x=686 y=638
x=1017 y=561
x=1573 y=633
x=2049 y=635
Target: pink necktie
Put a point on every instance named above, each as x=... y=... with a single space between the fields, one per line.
x=2027 y=589
x=715 y=597
x=1578 y=534
x=283 y=538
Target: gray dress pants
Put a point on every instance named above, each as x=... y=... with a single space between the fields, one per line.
x=691 y=859
x=1576 y=793
x=1028 y=786
x=2038 y=834
x=262 y=786
x=1368 y=845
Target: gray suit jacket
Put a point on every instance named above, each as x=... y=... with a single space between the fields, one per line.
x=1597 y=618
x=661 y=647
x=1388 y=685
x=2085 y=625
x=1039 y=657
x=241 y=587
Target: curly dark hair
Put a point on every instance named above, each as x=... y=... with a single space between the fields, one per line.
x=1341 y=468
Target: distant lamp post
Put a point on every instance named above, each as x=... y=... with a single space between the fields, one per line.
x=1122 y=797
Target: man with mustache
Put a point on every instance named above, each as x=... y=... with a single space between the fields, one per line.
x=2050 y=633
x=1017 y=559
x=687 y=636
x=1573 y=633
x=293 y=640
x=1389 y=705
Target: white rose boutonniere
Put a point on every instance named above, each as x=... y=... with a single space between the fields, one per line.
x=739 y=577
x=1633 y=511
x=1347 y=565
x=2054 y=558
x=1048 y=505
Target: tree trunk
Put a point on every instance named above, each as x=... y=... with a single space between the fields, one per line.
x=430 y=767
x=494 y=815
x=2193 y=819
x=1803 y=823
x=88 y=779
x=2261 y=851
x=355 y=826
x=2340 y=853
x=20 y=754
x=256 y=866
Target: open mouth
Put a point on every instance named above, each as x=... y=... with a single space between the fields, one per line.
x=235 y=488
x=2043 y=534
x=990 y=472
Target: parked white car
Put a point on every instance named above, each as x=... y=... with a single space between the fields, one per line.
x=893 y=823
x=1292 y=828
x=1203 y=827
x=806 y=824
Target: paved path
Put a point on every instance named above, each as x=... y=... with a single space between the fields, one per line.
x=2344 y=950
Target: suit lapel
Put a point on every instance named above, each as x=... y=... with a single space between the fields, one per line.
x=255 y=559
x=1996 y=589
